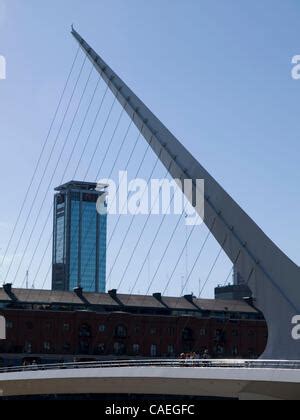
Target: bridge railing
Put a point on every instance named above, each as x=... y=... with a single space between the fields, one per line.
x=163 y=363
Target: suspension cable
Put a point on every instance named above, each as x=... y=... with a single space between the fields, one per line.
x=39 y=159
x=137 y=172
x=118 y=154
x=198 y=257
x=44 y=172
x=65 y=170
x=53 y=174
x=79 y=161
x=101 y=135
x=131 y=223
x=140 y=236
x=213 y=267
x=153 y=243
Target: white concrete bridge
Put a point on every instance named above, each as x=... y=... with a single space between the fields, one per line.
x=242 y=380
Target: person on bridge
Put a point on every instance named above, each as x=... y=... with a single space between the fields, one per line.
x=206 y=355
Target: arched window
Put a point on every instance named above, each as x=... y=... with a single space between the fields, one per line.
x=28 y=347
x=153 y=350
x=121 y=331
x=85 y=331
x=102 y=328
x=119 y=349
x=136 y=349
x=47 y=347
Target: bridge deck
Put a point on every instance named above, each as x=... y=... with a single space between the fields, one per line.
x=229 y=379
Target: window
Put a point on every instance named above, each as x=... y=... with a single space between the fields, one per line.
x=119 y=349
x=47 y=346
x=153 y=350
x=202 y=332
x=60 y=200
x=153 y=331
x=66 y=327
x=85 y=331
x=137 y=330
x=220 y=336
x=74 y=239
x=218 y=333
x=171 y=331
x=88 y=246
x=9 y=325
x=121 y=331
x=251 y=353
x=235 y=351
x=171 y=350
x=28 y=347
x=136 y=349
x=102 y=328
x=59 y=238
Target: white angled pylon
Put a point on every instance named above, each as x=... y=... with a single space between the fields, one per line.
x=272 y=277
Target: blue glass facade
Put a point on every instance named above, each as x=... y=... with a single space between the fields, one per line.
x=74 y=241
x=102 y=251
x=79 y=243
x=88 y=269
x=59 y=246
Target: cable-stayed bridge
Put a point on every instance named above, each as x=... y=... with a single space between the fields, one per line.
x=270 y=275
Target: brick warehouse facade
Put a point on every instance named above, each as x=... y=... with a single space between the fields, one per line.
x=61 y=326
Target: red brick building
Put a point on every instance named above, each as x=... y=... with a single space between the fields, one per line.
x=60 y=326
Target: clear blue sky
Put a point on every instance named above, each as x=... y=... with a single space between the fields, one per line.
x=218 y=74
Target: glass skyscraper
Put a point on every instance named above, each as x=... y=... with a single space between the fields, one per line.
x=79 y=238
